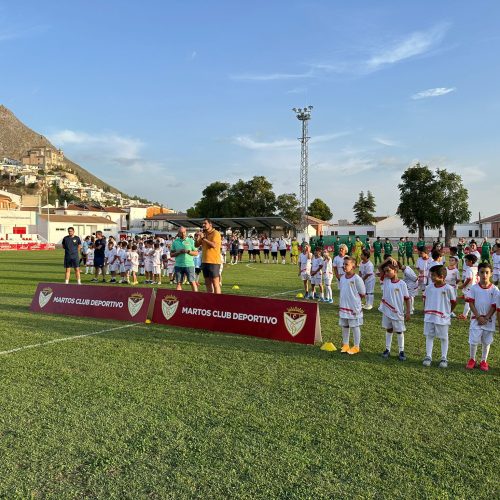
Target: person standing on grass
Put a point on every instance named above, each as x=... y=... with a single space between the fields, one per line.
x=72 y=245
x=210 y=241
x=99 y=251
x=377 y=251
x=184 y=251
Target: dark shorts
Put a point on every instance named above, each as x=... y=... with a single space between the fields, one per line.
x=274 y=254
x=283 y=253
x=210 y=270
x=71 y=262
x=240 y=251
x=181 y=272
x=98 y=262
x=256 y=252
x=234 y=252
x=266 y=251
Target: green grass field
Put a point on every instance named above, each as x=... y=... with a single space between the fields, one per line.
x=147 y=411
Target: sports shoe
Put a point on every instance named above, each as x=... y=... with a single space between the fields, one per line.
x=345 y=348
x=368 y=307
x=484 y=366
x=427 y=361
x=112 y=281
x=471 y=364
x=354 y=350
x=386 y=354
x=443 y=363
x=159 y=283
x=402 y=356
x=94 y=280
x=330 y=301
x=453 y=315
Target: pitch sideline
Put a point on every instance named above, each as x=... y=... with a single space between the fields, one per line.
x=64 y=339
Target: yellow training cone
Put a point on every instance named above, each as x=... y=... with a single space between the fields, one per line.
x=328 y=346
x=299 y=296
x=148 y=321
x=236 y=287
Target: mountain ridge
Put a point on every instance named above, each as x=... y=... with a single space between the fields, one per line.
x=16 y=139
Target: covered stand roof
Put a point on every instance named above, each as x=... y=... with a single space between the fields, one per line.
x=231 y=222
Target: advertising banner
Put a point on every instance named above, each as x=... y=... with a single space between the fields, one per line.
x=275 y=319
x=32 y=245
x=105 y=302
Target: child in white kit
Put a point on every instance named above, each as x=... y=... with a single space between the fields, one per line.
x=422 y=266
x=113 y=261
x=156 y=258
x=411 y=280
x=338 y=263
x=439 y=301
x=122 y=252
x=496 y=265
x=453 y=275
x=367 y=274
x=327 y=276
x=483 y=298
x=90 y=259
x=352 y=290
x=305 y=259
x=395 y=306
x=316 y=275
x=469 y=277
x=134 y=263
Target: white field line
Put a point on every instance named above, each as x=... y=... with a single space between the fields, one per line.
x=64 y=339
x=283 y=293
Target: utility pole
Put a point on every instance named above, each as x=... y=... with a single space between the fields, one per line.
x=304 y=115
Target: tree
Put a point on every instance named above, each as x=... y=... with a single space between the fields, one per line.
x=288 y=207
x=252 y=198
x=418 y=199
x=364 y=209
x=319 y=209
x=214 y=201
x=452 y=202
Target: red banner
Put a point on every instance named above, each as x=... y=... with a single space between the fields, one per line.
x=5 y=246
x=106 y=302
x=285 y=320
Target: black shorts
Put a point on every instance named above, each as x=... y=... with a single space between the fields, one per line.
x=274 y=254
x=266 y=251
x=210 y=270
x=240 y=251
x=283 y=253
x=71 y=262
x=256 y=252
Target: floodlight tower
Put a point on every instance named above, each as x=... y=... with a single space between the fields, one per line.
x=304 y=115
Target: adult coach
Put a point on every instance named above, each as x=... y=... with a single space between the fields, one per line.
x=183 y=250
x=210 y=241
x=72 y=245
x=99 y=249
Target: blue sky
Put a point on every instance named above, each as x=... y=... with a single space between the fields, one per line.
x=161 y=98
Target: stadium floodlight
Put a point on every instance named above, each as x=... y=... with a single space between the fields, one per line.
x=304 y=115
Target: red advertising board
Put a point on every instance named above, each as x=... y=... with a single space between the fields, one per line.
x=106 y=302
x=32 y=245
x=285 y=320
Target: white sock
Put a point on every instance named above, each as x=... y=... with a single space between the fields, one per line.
x=369 y=299
x=345 y=335
x=388 y=340
x=401 y=341
x=466 y=309
x=412 y=304
x=79 y=281
x=485 y=352
x=444 y=348
x=329 y=294
x=473 y=351
x=429 y=344
x=357 y=335
x=66 y=281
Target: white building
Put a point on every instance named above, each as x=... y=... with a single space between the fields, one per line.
x=115 y=214
x=18 y=221
x=55 y=227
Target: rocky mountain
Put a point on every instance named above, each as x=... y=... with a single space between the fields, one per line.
x=16 y=139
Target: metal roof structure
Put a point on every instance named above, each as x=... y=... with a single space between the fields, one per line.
x=244 y=223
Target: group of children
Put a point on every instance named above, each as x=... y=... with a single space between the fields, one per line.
x=125 y=261
x=438 y=283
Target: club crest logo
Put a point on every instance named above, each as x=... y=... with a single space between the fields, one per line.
x=44 y=296
x=135 y=303
x=295 y=320
x=169 y=305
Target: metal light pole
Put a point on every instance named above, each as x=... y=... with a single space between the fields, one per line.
x=304 y=115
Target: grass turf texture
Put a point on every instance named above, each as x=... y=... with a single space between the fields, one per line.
x=151 y=411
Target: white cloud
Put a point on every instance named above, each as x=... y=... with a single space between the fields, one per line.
x=385 y=142
x=433 y=92
x=415 y=44
x=247 y=142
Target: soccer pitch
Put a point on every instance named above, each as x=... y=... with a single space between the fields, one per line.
x=139 y=410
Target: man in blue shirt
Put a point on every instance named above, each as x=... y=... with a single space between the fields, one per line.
x=72 y=246
x=99 y=249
